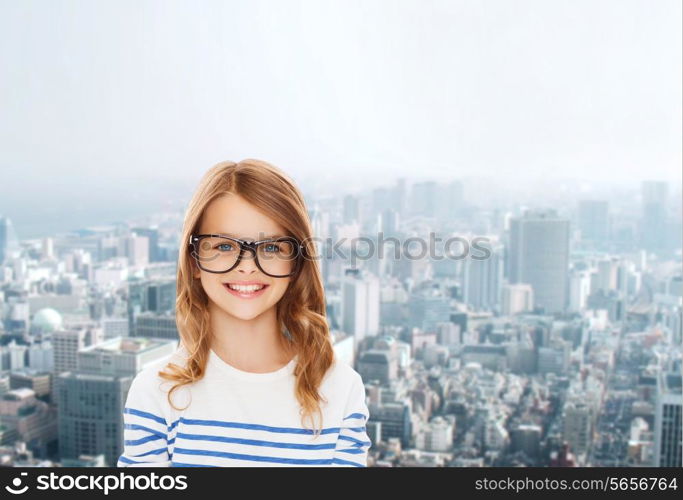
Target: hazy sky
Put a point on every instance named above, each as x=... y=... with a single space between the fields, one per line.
x=103 y=99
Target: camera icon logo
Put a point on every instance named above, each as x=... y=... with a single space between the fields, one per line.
x=16 y=482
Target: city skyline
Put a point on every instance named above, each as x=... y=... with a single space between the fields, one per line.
x=107 y=106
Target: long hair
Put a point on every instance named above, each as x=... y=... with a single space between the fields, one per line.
x=300 y=311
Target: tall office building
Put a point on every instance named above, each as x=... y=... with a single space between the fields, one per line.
x=425 y=198
x=157 y=325
x=517 y=298
x=449 y=202
x=577 y=426
x=381 y=200
x=539 y=256
x=150 y=295
x=378 y=365
x=136 y=248
x=153 y=295
x=668 y=423
x=9 y=243
x=67 y=343
x=92 y=398
x=428 y=309
x=389 y=223
x=395 y=420
x=579 y=289
x=360 y=304
x=399 y=196
x=41 y=356
x=593 y=221
x=654 y=215
x=483 y=278
x=152 y=234
x=115 y=327
x=350 y=209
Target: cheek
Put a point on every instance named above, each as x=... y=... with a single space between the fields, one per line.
x=278 y=290
x=211 y=285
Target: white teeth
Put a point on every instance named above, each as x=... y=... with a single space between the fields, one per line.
x=245 y=288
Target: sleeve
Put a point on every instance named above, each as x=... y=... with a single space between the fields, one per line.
x=353 y=443
x=145 y=428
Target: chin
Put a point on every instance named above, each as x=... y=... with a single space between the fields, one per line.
x=243 y=313
x=246 y=317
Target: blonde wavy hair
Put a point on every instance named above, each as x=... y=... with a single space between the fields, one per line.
x=300 y=311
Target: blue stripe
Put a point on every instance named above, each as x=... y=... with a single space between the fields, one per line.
x=255 y=442
x=145 y=414
x=346 y=462
x=127 y=460
x=170 y=441
x=357 y=441
x=221 y=423
x=153 y=452
x=253 y=458
x=353 y=429
x=355 y=415
x=354 y=451
x=146 y=439
x=137 y=427
x=259 y=427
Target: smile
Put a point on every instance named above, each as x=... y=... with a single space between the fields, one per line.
x=245 y=291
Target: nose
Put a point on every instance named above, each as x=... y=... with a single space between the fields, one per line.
x=247 y=263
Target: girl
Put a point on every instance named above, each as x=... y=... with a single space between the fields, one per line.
x=255 y=363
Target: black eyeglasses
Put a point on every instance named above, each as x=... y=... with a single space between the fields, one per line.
x=217 y=253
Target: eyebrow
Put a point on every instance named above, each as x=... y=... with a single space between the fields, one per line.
x=265 y=237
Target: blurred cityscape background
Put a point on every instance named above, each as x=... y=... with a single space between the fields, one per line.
x=563 y=347
x=551 y=129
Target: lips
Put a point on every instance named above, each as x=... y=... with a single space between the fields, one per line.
x=246 y=289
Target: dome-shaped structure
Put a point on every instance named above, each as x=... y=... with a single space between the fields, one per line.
x=47 y=320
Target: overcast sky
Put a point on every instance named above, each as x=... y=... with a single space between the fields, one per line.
x=102 y=97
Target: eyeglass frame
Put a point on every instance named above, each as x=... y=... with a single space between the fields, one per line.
x=250 y=246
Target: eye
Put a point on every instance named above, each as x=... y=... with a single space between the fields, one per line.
x=225 y=247
x=271 y=247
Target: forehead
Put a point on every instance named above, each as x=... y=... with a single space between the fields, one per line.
x=232 y=215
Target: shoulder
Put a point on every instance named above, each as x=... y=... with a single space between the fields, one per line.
x=342 y=379
x=148 y=379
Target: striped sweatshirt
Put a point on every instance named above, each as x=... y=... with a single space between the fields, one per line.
x=242 y=419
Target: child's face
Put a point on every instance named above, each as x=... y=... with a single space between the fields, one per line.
x=232 y=215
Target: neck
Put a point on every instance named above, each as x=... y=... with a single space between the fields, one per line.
x=255 y=345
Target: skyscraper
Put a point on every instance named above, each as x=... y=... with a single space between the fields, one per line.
x=593 y=219
x=351 y=209
x=654 y=215
x=539 y=255
x=668 y=423
x=483 y=278
x=424 y=198
x=9 y=244
x=577 y=426
x=360 y=304
x=150 y=295
x=152 y=235
x=428 y=308
x=67 y=343
x=91 y=399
